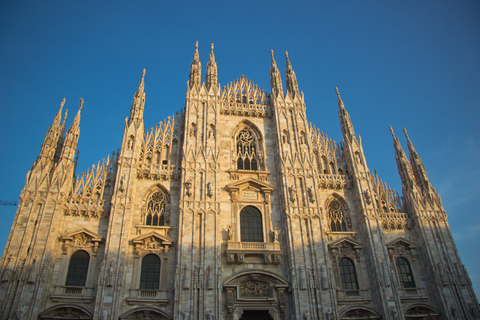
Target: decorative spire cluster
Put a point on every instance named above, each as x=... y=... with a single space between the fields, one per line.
x=275 y=78
x=292 y=84
x=417 y=165
x=195 y=69
x=404 y=167
x=212 y=77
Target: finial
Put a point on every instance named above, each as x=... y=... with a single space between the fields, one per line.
x=196 y=45
x=81 y=104
x=338 y=93
x=65 y=118
x=143 y=73
x=406 y=134
x=211 y=46
x=63 y=102
x=271 y=51
x=195 y=55
x=391 y=131
x=286 y=54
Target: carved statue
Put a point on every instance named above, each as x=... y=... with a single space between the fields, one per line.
x=209 y=315
x=110 y=275
x=21 y=312
x=209 y=190
x=230 y=232
x=275 y=235
x=293 y=193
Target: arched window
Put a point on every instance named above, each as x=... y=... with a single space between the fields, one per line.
x=150 y=275
x=246 y=151
x=336 y=217
x=251 y=227
x=348 y=275
x=155 y=209
x=405 y=273
x=78 y=269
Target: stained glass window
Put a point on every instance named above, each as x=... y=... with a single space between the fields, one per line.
x=78 y=269
x=246 y=151
x=336 y=217
x=150 y=276
x=155 y=209
x=251 y=228
x=405 y=273
x=348 y=275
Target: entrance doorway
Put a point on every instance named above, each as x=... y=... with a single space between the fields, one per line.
x=256 y=315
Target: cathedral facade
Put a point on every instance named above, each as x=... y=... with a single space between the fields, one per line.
x=236 y=207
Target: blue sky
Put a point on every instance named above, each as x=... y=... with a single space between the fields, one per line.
x=401 y=63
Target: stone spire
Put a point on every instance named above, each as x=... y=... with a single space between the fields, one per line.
x=404 y=167
x=136 y=112
x=292 y=84
x=345 y=122
x=417 y=165
x=275 y=78
x=58 y=116
x=211 y=71
x=195 y=69
x=76 y=120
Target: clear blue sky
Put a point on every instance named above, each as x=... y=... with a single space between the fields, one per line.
x=401 y=63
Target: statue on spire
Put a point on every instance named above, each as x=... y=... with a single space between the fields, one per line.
x=212 y=77
x=292 y=84
x=195 y=69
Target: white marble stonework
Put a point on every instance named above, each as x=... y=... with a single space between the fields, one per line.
x=235 y=207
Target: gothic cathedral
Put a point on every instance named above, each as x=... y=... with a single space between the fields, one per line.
x=236 y=207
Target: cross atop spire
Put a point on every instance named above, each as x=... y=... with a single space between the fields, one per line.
x=275 y=78
x=211 y=71
x=292 y=84
x=195 y=69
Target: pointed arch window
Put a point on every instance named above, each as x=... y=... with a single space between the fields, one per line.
x=405 y=274
x=150 y=275
x=155 y=209
x=348 y=275
x=251 y=227
x=246 y=146
x=78 y=269
x=336 y=216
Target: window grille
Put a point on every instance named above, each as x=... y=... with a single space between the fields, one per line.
x=251 y=228
x=78 y=269
x=155 y=209
x=405 y=273
x=246 y=151
x=150 y=275
x=336 y=217
x=348 y=275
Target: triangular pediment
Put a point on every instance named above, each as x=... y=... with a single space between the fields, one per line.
x=345 y=240
x=403 y=241
x=90 y=234
x=249 y=183
x=163 y=239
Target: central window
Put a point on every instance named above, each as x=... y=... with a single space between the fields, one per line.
x=155 y=209
x=251 y=228
x=246 y=151
x=336 y=217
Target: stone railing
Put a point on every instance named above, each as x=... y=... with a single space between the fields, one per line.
x=151 y=171
x=146 y=296
x=395 y=221
x=333 y=181
x=245 y=109
x=73 y=294
x=80 y=207
x=412 y=293
x=353 y=294
x=236 y=251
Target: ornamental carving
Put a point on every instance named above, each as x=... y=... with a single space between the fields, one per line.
x=151 y=242
x=67 y=313
x=254 y=288
x=82 y=239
